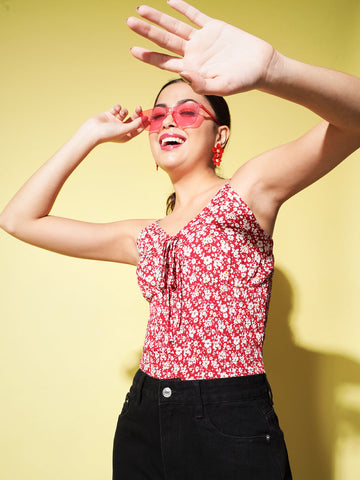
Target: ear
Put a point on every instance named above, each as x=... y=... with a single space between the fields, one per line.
x=223 y=134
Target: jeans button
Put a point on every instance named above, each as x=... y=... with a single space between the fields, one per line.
x=167 y=392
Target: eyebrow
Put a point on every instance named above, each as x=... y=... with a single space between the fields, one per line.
x=180 y=102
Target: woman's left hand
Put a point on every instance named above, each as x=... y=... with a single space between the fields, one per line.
x=218 y=59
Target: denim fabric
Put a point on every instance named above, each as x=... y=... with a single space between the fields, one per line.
x=221 y=429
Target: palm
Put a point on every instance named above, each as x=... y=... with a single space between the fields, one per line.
x=219 y=58
x=236 y=69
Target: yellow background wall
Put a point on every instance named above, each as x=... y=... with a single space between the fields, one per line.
x=72 y=330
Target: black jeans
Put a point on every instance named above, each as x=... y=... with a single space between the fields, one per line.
x=221 y=429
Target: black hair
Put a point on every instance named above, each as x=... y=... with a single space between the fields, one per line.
x=222 y=113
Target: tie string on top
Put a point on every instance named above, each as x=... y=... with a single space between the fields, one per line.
x=172 y=277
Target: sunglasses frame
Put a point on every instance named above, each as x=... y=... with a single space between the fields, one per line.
x=171 y=110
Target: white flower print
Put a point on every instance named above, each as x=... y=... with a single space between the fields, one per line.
x=225 y=247
x=187 y=251
x=223 y=276
x=212 y=325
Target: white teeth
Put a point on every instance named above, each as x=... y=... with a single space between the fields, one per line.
x=166 y=141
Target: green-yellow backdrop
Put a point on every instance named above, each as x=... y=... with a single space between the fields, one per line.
x=72 y=330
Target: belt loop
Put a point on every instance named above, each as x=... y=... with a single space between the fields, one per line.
x=198 y=384
x=140 y=387
x=269 y=391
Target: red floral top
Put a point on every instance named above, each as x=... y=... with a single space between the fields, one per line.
x=209 y=289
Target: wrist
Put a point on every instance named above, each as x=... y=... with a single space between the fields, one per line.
x=274 y=71
x=89 y=134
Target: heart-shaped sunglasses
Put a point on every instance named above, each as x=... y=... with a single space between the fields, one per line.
x=185 y=115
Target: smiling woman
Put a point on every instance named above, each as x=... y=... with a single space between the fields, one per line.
x=200 y=405
x=188 y=113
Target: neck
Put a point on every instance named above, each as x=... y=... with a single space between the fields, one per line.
x=188 y=187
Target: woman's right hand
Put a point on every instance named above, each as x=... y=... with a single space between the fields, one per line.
x=115 y=125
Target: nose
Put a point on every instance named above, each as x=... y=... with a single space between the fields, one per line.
x=169 y=120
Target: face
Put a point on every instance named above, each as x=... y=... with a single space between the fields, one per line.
x=177 y=147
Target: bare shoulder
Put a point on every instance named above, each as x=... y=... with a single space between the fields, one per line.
x=137 y=225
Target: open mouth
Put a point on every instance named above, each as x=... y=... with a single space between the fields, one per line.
x=168 y=141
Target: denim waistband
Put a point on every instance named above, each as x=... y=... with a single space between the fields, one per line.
x=227 y=389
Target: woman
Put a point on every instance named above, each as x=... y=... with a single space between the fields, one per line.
x=200 y=406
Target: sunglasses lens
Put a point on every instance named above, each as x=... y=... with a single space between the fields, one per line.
x=157 y=117
x=185 y=115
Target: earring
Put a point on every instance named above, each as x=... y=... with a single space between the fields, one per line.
x=218 y=153
x=157 y=167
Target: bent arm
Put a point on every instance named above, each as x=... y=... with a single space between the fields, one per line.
x=27 y=215
x=220 y=59
x=37 y=196
x=280 y=173
x=333 y=95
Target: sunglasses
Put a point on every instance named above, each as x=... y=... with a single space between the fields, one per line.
x=185 y=115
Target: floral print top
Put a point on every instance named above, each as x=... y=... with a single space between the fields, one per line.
x=209 y=290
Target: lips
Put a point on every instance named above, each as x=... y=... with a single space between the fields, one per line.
x=169 y=141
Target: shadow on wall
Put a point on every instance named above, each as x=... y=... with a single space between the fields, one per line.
x=306 y=386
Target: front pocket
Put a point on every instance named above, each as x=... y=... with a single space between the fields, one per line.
x=240 y=420
x=272 y=420
x=127 y=403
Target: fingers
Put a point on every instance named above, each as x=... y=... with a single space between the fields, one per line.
x=132 y=128
x=121 y=113
x=118 y=112
x=135 y=127
x=137 y=113
x=172 y=25
x=160 y=60
x=138 y=121
x=157 y=35
x=204 y=86
x=192 y=13
x=132 y=125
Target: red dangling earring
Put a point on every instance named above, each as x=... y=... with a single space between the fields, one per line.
x=218 y=153
x=157 y=167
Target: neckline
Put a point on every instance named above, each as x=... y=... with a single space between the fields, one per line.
x=156 y=223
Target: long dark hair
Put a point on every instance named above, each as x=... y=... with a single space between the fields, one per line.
x=222 y=113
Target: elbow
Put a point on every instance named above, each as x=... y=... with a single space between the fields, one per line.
x=8 y=223
x=3 y=221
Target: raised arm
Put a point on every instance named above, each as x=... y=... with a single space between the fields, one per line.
x=27 y=215
x=217 y=58
x=220 y=59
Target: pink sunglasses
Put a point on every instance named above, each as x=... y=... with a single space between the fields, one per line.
x=186 y=115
